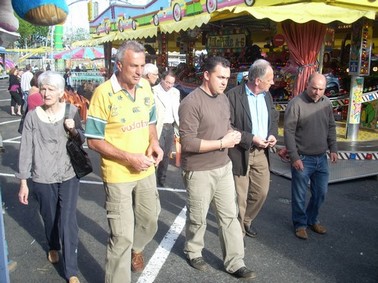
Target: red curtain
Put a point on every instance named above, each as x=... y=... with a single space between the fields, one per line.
x=304 y=42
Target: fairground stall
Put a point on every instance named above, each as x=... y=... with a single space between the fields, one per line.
x=297 y=37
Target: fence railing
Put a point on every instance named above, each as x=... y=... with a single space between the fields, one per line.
x=78 y=78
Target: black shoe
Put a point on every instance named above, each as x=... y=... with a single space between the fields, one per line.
x=251 y=231
x=161 y=185
x=2 y=149
x=244 y=273
x=198 y=263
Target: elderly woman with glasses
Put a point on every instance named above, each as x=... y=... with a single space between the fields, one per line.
x=43 y=158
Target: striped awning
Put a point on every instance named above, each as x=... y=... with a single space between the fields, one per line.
x=185 y=24
x=140 y=32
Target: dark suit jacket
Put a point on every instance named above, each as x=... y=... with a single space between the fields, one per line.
x=241 y=120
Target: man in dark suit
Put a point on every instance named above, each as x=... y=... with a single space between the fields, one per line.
x=254 y=115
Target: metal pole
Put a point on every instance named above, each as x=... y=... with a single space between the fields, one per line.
x=321 y=59
x=354 y=108
x=52 y=29
x=4 y=273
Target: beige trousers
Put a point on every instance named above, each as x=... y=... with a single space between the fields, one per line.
x=252 y=189
x=216 y=188
x=132 y=210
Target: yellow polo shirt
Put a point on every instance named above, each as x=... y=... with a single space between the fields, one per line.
x=124 y=122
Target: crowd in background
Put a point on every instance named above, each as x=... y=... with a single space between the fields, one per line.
x=23 y=87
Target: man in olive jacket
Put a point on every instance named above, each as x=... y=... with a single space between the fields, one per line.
x=254 y=115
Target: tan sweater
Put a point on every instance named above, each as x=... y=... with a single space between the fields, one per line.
x=203 y=117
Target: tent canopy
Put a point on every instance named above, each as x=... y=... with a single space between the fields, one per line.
x=363 y=5
x=185 y=23
x=81 y=53
x=320 y=12
x=7 y=37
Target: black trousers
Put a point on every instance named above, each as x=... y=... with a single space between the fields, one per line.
x=165 y=142
x=57 y=204
x=16 y=98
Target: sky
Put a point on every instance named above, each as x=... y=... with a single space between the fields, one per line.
x=78 y=12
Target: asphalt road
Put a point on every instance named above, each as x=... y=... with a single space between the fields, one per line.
x=347 y=253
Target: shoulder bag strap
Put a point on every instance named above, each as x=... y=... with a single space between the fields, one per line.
x=67 y=111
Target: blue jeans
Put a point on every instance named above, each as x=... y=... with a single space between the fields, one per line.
x=25 y=95
x=316 y=173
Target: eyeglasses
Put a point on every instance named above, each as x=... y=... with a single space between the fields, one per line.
x=155 y=74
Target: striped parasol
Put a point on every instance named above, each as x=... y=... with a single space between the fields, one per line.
x=81 y=53
x=9 y=64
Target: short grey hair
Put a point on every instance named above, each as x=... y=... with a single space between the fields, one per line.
x=129 y=45
x=258 y=69
x=51 y=78
x=149 y=69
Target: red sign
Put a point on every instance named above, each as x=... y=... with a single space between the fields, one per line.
x=278 y=40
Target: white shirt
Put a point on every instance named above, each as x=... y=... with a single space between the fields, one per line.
x=167 y=104
x=25 y=80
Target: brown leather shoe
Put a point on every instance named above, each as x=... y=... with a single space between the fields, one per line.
x=301 y=233
x=73 y=279
x=12 y=265
x=317 y=228
x=53 y=256
x=137 y=262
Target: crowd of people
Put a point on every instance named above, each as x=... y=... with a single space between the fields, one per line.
x=132 y=121
x=23 y=83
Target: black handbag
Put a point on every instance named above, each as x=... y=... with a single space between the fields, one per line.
x=21 y=125
x=79 y=158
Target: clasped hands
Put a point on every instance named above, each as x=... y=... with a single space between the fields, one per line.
x=153 y=156
x=231 y=139
x=262 y=143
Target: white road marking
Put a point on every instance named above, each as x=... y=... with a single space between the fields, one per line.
x=10 y=121
x=101 y=183
x=7 y=175
x=162 y=252
x=171 y=190
x=13 y=140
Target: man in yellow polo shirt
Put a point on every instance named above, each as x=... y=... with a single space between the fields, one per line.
x=121 y=126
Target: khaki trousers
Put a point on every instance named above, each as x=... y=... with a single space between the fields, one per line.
x=252 y=189
x=216 y=188
x=132 y=210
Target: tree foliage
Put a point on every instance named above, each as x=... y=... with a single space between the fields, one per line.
x=31 y=36
x=72 y=35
